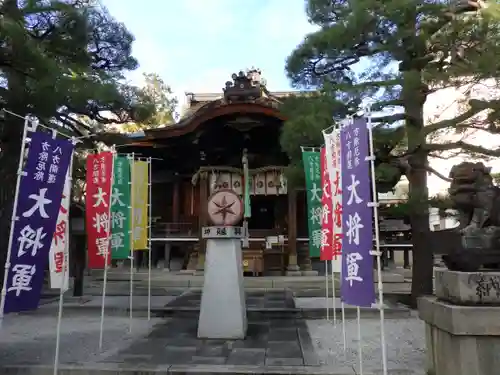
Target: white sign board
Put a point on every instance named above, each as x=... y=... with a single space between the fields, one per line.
x=222 y=232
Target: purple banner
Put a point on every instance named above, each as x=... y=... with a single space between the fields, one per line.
x=39 y=200
x=357 y=286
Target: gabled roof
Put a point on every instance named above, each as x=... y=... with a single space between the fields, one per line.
x=245 y=95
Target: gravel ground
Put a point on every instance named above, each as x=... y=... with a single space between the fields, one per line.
x=405 y=340
x=30 y=339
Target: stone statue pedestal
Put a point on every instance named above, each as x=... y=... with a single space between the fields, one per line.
x=462 y=323
x=223 y=308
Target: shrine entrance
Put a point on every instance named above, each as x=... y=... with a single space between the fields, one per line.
x=204 y=153
x=263 y=213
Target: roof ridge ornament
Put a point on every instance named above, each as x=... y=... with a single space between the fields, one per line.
x=246 y=87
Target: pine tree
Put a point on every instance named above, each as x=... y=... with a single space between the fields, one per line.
x=60 y=61
x=396 y=54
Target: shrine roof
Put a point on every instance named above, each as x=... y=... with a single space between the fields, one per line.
x=246 y=95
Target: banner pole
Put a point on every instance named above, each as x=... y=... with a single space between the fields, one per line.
x=344 y=334
x=327 y=297
x=65 y=266
x=150 y=167
x=334 y=296
x=131 y=256
x=378 y=254
x=14 y=215
x=106 y=253
x=360 y=346
x=338 y=128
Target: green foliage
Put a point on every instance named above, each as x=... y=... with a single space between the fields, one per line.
x=394 y=54
x=366 y=50
x=62 y=59
x=162 y=101
x=309 y=114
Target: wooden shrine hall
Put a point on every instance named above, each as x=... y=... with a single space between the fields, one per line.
x=202 y=153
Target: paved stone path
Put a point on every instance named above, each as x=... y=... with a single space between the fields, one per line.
x=262 y=300
x=286 y=346
x=269 y=343
x=289 y=345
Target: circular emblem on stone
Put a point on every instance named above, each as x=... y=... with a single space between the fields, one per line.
x=225 y=208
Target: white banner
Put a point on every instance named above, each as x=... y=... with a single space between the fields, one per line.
x=59 y=250
x=332 y=150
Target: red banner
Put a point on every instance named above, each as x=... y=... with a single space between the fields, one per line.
x=98 y=206
x=326 y=251
x=336 y=190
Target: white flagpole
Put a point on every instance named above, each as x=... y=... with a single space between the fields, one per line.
x=344 y=334
x=334 y=296
x=131 y=256
x=150 y=169
x=106 y=253
x=14 y=213
x=377 y=253
x=62 y=289
x=360 y=346
x=327 y=303
x=342 y=304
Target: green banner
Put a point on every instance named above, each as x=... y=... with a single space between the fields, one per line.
x=312 y=170
x=120 y=209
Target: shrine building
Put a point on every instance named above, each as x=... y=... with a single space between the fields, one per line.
x=203 y=153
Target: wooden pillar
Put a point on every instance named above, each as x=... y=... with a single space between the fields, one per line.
x=176 y=201
x=203 y=219
x=292 y=269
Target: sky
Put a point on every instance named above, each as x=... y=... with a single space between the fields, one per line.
x=195 y=45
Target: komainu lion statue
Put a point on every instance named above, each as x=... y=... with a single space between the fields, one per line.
x=477 y=201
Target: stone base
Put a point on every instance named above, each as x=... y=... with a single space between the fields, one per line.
x=461 y=340
x=293 y=273
x=223 y=309
x=468 y=288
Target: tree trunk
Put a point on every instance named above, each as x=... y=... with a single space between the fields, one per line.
x=414 y=95
x=422 y=254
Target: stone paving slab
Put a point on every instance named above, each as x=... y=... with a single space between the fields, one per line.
x=268 y=342
x=282 y=304
x=255 y=300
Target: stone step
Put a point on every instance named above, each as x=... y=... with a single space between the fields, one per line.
x=293 y=313
x=110 y=368
x=196 y=281
x=260 y=305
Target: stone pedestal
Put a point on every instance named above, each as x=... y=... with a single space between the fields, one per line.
x=223 y=309
x=462 y=323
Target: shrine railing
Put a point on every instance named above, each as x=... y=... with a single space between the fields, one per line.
x=174 y=230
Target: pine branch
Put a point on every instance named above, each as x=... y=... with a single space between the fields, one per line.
x=435 y=172
x=476 y=106
x=389 y=118
x=463 y=146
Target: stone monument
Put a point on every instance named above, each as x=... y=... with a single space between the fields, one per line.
x=462 y=321
x=223 y=309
